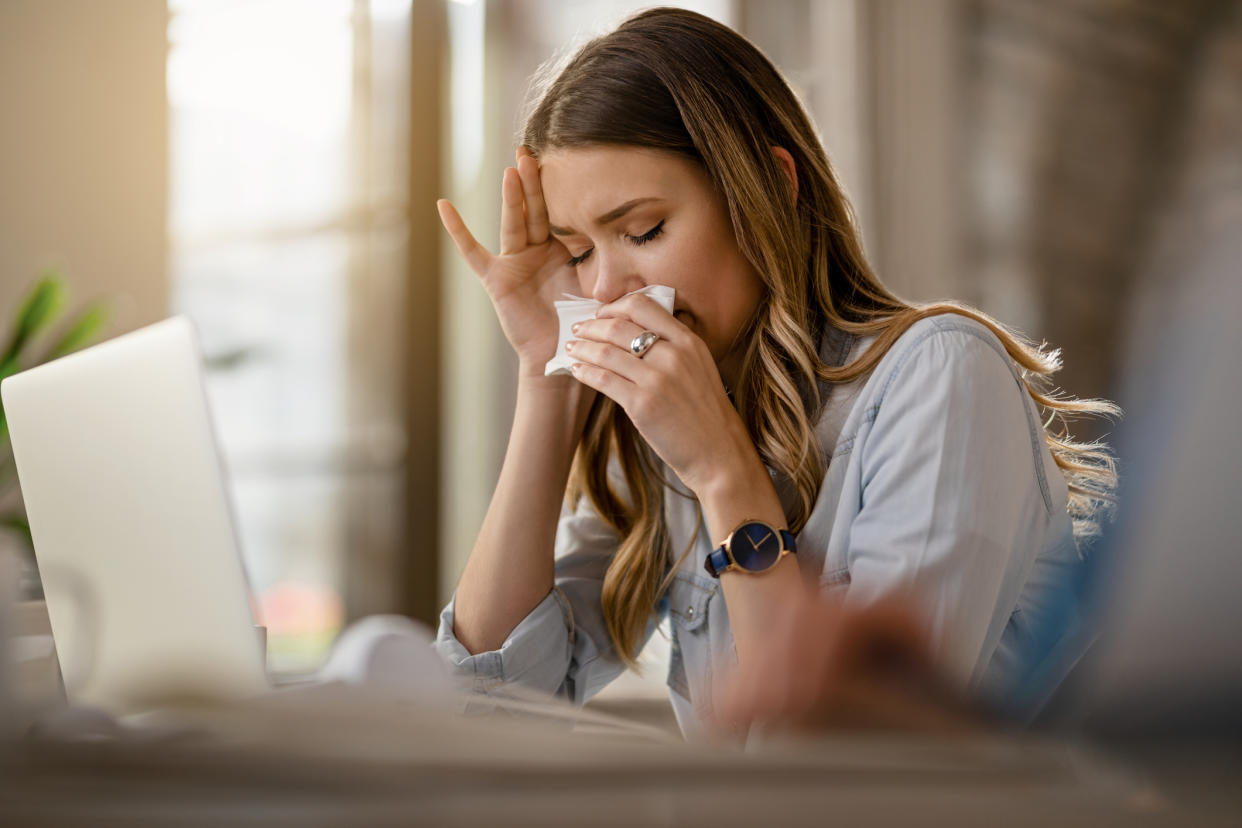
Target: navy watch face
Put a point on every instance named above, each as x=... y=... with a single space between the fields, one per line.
x=755 y=546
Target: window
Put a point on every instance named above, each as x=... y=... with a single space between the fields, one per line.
x=288 y=149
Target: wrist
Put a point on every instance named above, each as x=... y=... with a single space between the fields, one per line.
x=532 y=369
x=738 y=491
x=560 y=402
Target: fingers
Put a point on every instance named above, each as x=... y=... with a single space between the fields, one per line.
x=523 y=215
x=605 y=355
x=532 y=189
x=475 y=254
x=512 y=219
x=648 y=314
x=618 y=331
x=610 y=384
x=604 y=343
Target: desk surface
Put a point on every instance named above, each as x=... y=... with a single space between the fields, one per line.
x=365 y=760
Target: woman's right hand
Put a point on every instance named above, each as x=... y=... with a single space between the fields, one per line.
x=532 y=269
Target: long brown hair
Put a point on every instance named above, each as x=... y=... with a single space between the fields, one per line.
x=677 y=81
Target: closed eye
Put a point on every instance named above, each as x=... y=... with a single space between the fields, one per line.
x=649 y=235
x=640 y=240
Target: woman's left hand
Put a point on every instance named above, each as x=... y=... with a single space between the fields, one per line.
x=673 y=393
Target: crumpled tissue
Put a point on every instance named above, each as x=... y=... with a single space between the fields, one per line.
x=574 y=309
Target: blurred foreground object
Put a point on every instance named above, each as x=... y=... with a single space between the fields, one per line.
x=1167 y=585
x=349 y=755
x=831 y=664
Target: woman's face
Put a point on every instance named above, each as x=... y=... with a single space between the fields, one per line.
x=634 y=217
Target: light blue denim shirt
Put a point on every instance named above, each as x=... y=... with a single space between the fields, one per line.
x=939 y=484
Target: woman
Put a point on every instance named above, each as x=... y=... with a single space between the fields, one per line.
x=789 y=396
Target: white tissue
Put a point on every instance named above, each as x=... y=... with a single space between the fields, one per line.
x=574 y=309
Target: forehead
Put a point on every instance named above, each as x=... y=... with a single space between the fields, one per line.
x=587 y=181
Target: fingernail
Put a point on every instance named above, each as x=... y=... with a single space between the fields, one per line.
x=575 y=327
x=569 y=346
x=577 y=366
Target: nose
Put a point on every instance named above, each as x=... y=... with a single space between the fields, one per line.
x=615 y=276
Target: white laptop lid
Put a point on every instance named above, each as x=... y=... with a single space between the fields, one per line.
x=132 y=524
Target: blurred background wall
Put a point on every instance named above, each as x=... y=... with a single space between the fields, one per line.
x=269 y=167
x=84 y=151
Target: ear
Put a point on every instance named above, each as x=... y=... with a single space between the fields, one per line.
x=787 y=164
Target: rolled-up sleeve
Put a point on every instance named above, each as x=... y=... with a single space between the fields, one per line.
x=954 y=507
x=562 y=647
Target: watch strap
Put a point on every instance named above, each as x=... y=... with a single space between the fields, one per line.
x=717 y=561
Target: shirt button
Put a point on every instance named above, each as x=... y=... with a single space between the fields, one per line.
x=690 y=611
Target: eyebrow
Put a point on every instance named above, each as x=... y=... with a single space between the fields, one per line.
x=607 y=218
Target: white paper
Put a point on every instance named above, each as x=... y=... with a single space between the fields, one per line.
x=574 y=309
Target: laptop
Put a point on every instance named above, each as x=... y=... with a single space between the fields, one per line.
x=132 y=524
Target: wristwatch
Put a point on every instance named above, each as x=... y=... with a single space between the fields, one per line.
x=752 y=547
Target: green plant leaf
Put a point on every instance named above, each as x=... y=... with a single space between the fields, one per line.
x=82 y=331
x=8 y=467
x=6 y=370
x=18 y=524
x=42 y=305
